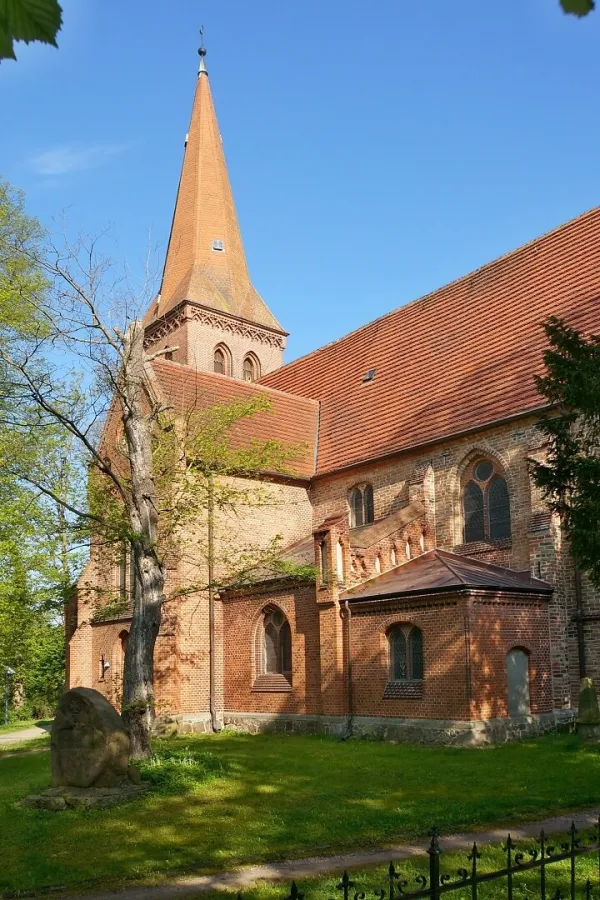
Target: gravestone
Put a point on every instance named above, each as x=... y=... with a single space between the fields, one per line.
x=89 y=744
x=89 y=755
x=588 y=716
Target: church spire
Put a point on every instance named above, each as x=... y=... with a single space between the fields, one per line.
x=205 y=262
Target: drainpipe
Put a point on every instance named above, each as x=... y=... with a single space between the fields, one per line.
x=579 y=617
x=211 y=604
x=349 y=668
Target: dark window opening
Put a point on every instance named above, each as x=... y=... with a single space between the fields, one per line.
x=361 y=506
x=486 y=505
x=277 y=648
x=251 y=369
x=324 y=562
x=221 y=361
x=406 y=653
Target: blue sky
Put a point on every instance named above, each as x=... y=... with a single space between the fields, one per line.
x=376 y=150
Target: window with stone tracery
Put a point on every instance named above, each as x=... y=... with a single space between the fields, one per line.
x=405 y=653
x=277 y=644
x=486 y=503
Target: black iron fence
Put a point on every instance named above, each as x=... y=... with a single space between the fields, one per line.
x=538 y=859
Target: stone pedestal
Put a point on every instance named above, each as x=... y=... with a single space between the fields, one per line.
x=59 y=798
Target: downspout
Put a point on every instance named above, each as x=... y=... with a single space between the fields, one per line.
x=211 y=604
x=579 y=617
x=349 y=669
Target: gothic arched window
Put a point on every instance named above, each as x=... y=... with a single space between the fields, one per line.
x=486 y=504
x=222 y=360
x=361 y=506
x=251 y=367
x=277 y=644
x=406 y=653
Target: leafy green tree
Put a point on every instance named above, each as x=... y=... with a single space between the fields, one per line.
x=41 y=20
x=81 y=362
x=578 y=7
x=38 y=556
x=570 y=476
x=28 y=20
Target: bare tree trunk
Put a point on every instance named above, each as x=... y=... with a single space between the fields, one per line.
x=148 y=590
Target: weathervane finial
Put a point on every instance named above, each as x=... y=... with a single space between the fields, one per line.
x=202 y=52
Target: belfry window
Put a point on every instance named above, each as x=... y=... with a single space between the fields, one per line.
x=406 y=653
x=251 y=367
x=222 y=360
x=277 y=644
x=486 y=504
x=361 y=506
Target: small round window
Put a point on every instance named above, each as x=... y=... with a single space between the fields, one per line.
x=277 y=617
x=484 y=470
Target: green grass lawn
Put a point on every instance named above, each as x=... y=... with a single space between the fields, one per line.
x=526 y=885
x=278 y=797
x=23 y=746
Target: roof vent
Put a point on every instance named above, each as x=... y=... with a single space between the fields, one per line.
x=369 y=376
x=218 y=245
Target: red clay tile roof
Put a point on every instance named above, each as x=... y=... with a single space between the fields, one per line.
x=440 y=572
x=457 y=359
x=292 y=420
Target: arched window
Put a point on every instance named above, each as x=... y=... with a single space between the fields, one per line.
x=361 y=506
x=222 y=360
x=277 y=644
x=406 y=653
x=486 y=504
x=251 y=367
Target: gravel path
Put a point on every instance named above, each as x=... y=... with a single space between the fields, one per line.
x=239 y=879
x=25 y=734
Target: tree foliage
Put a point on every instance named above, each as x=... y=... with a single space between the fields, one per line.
x=578 y=8
x=28 y=20
x=41 y=20
x=172 y=486
x=570 y=476
x=37 y=563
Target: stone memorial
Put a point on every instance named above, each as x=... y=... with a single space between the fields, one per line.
x=588 y=716
x=89 y=754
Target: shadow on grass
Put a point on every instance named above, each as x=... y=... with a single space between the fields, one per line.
x=284 y=797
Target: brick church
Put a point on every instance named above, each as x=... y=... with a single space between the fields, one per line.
x=445 y=606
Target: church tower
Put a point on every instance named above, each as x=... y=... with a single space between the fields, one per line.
x=207 y=308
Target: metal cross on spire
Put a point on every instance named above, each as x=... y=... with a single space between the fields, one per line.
x=202 y=52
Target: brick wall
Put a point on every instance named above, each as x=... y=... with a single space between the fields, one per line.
x=496 y=626
x=242 y=616
x=444 y=691
x=196 y=339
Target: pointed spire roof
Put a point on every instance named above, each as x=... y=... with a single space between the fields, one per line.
x=205 y=262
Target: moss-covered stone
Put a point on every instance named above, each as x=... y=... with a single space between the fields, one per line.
x=589 y=712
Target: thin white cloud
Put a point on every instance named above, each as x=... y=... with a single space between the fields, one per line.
x=69 y=158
